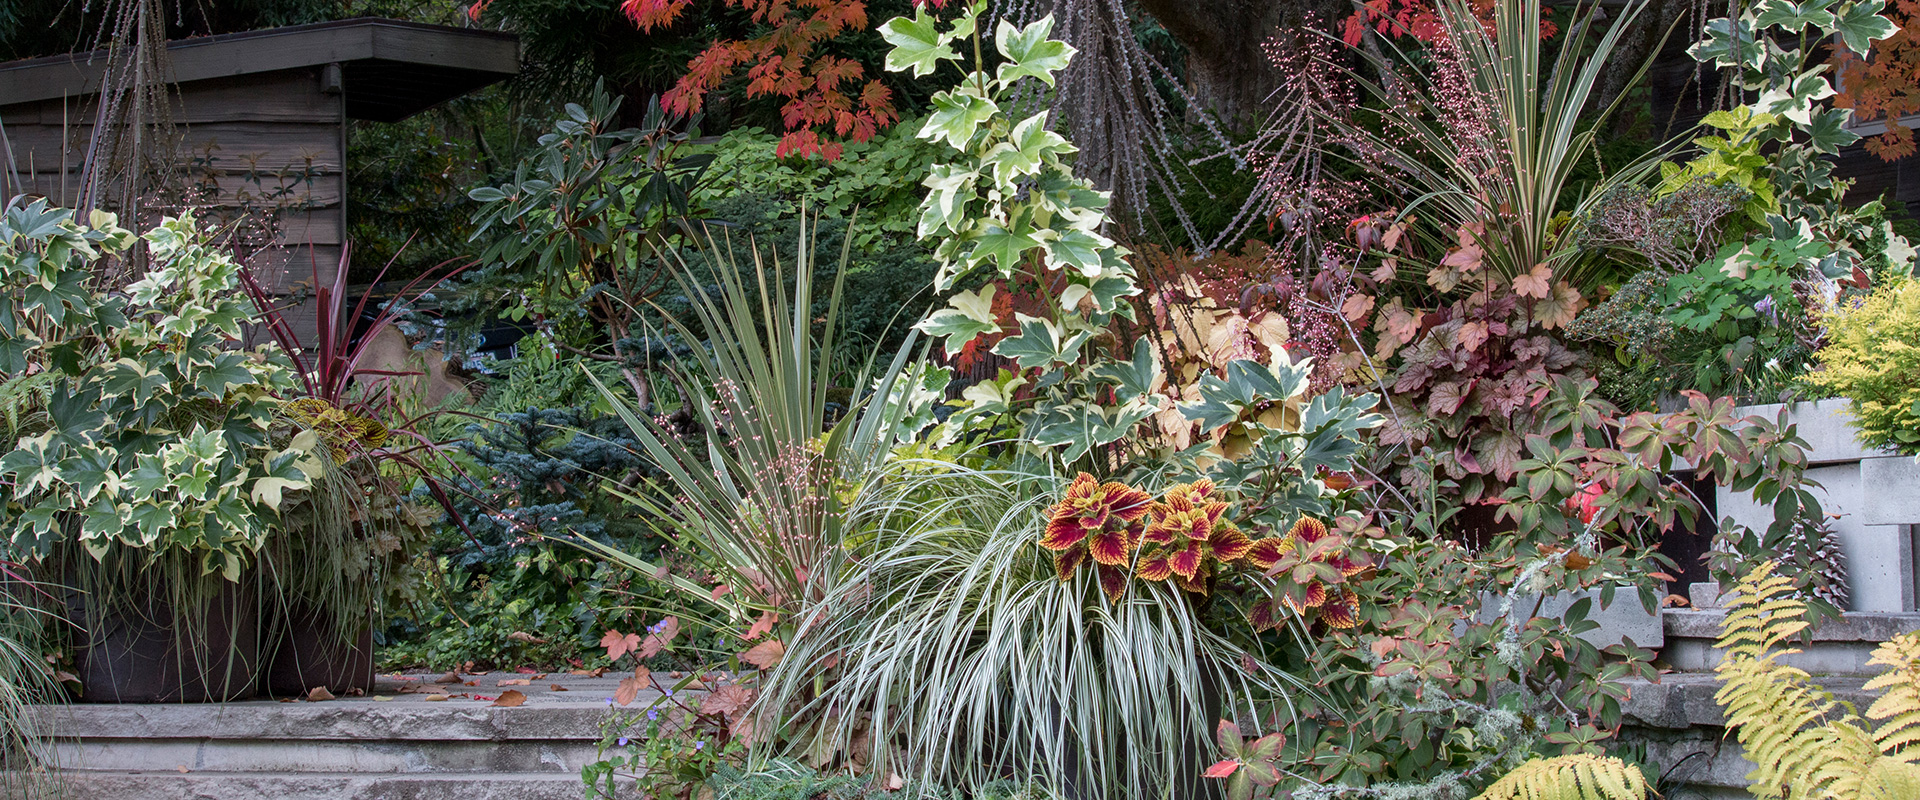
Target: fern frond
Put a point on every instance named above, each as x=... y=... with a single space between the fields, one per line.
x=1570 y=777
x=1899 y=707
x=1779 y=717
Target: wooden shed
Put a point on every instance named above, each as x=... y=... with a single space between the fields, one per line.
x=261 y=118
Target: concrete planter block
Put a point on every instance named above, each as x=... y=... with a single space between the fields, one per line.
x=1623 y=620
x=1840 y=646
x=1875 y=495
x=1894 y=484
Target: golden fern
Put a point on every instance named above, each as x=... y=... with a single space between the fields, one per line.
x=1570 y=777
x=1782 y=719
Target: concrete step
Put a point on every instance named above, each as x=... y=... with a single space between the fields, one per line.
x=334 y=786
x=392 y=745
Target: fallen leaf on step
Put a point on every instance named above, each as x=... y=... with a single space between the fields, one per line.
x=515 y=682
x=318 y=694
x=381 y=698
x=630 y=687
x=557 y=688
x=182 y=768
x=356 y=691
x=472 y=683
x=451 y=677
x=434 y=698
x=510 y=698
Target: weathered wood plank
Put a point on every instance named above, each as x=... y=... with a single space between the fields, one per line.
x=267 y=191
x=280 y=270
x=229 y=147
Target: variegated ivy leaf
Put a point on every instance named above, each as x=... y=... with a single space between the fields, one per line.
x=150 y=519
x=1729 y=43
x=1795 y=100
x=1030 y=54
x=103 y=518
x=229 y=369
x=918 y=44
x=1080 y=426
x=994 y=396
x=1026 y=150
x=1002 y=246
x=957 y=116
x=131 y=379
x=1828 y=133
x=1040 y=344
x=1860 y=23
x=949 y=190
x=1791 y=16
x=1247 y=384
x=1079 y=250
x=968 y=315
x=1132 y=379
x=34 y=463
x=91 y=471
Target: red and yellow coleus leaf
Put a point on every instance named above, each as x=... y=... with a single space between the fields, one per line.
x=1096 y=522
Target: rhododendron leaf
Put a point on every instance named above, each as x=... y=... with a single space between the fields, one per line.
x=918 y=44
x=1029 y=52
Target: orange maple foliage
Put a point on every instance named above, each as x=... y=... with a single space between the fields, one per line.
x=825 y=96
x=1416 y=18
x=1886 y=85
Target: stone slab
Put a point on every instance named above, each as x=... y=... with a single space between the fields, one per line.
x=1623 y=619
x=574 y=711
x=1839 y=646
x=1680 y=732
x=1894 y=485
x=1825 y=425
x=275 y=786
x=309 y=756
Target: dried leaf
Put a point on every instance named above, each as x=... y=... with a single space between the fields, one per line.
x=765 y=654
x=515 y=682
x=523 y=636
x=318 y=694
x=661 y=639
x=556 y=688
x=1357 y=306
x=510 y=698
x=618 y=644
x=630 y=687
x=451 y=677
x=434 y=698
x=727 y=700
x=1535 y=284
x=761 y=626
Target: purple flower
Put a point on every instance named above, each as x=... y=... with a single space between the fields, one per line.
x=623 y=741
x=1766 y=308
x=653 y=713
x=700 y=745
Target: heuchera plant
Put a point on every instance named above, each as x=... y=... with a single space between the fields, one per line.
x=158 y=433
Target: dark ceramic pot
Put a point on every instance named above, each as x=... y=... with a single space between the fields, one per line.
x=313 y=652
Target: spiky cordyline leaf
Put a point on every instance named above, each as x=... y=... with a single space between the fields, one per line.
x=974 y=659
x=1529 y=113
x=759 y=503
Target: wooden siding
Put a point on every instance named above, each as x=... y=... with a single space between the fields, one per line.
x=265 y=147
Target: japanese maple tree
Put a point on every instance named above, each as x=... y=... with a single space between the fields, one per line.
x=1886 y=85
x=827 y=96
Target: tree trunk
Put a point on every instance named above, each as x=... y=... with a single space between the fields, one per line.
x=1227 y=68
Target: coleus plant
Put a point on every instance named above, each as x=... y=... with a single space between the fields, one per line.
x=158 y=433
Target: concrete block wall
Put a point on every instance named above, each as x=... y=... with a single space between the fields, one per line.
x=1875 y=493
